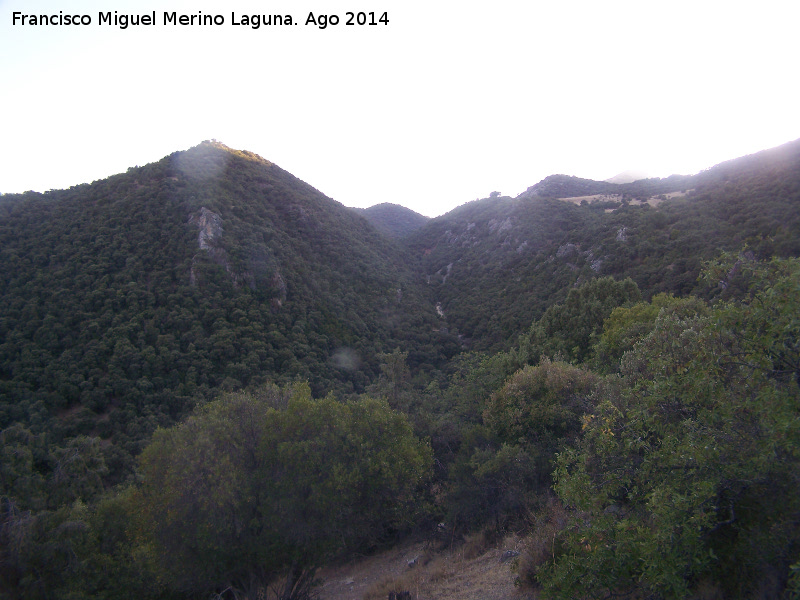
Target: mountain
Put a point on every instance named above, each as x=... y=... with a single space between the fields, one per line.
x=627 y=177
x=496 y=264
x=198 y=294
x=128 y=299
x=567 y=186
x=393 y=220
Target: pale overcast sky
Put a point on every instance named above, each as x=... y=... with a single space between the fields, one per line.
x=448 y=102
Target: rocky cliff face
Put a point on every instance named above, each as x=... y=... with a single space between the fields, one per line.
x=210 y=230
x=209 y=225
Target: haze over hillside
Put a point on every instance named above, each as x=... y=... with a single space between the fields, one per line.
x=627 y=177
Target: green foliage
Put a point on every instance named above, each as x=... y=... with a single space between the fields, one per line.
x=130 y=302
x=492 y=264
x=394 y=383
x=506 y=464
x=113 y=565
x=393 y=220
x=243 y=491
x=687 y=471
x=497 y=264
x=540 y=407
x=627 y=325
x=489 y=482
x=127 y=300
x=567 y=330
x=45 y=496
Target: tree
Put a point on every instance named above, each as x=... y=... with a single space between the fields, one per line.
x=43 y=515
x=687 y=474
x=627 y=325
x=566 y=330
x=394 y=383
x=505 y=465
x=244 y=491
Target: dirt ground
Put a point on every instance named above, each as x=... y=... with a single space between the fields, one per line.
x=652 y=201
x=426 y=575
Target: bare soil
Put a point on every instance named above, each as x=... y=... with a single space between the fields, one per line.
x=447 y=574
x=652 y=201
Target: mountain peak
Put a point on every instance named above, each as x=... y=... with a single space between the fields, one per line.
x=628 y=176
x=565 y=186
x=393 y=220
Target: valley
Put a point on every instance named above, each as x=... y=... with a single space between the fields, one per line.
x=216 y=381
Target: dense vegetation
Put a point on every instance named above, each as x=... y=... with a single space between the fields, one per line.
x=213 y=379
x=116 y=320
x=392 y=220
x=276 y=485
x=495 y=265
x=686 y=475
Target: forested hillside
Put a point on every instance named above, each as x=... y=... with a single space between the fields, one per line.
x=127 y=300
x=392 y=220
x=496 y=264
x=214 y=379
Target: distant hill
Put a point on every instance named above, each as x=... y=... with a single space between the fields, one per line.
x=630 y=185
x=567 y=186
x=494 y=265
x=627 y=177
x=393 y=220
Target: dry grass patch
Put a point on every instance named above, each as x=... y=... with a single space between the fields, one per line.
x=478 y=543
x=415 y=581
x=539 y=546
x=472 y=570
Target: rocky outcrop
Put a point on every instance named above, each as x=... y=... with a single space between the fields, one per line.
x=261 y=272
x=280 y=287
x=209 y=225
